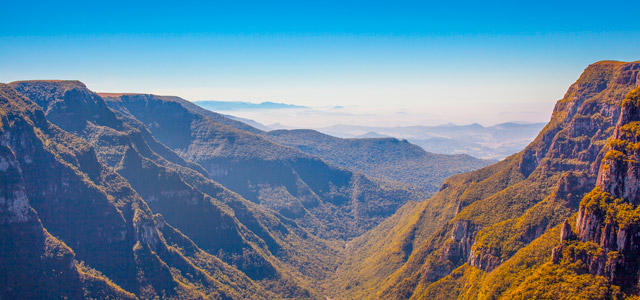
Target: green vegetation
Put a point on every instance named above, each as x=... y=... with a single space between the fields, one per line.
x=385 y=158
x=461 y=282
x=565 y=282
x=97 y=286
x=500 y=282
x=152 y=197
x=502 y=240
x=490 y=218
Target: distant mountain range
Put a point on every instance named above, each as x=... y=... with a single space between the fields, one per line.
x=486 y=142
x=250 y=122
x=492 y=142
x=237 y=105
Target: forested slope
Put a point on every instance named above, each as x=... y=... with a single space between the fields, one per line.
x=496 y=222
x=386 y=158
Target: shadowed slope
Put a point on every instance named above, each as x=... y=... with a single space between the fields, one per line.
x=217 y=220
x=329 y=201
x=33 y=263
x=97 y=213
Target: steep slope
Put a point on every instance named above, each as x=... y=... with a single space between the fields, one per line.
x=110 y=228
x=604 y=247
x=330 y=202
x=261 y=245
x=385 y=158
x=220 y=118
x=33 y=263
x=481 y=220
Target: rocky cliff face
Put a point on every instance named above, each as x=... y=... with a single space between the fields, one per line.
x=619 y=174
x=496 y=211
x=33 y=263
x=57 y=186
x=219 y=221
x=609 y=216
x=570 y=146
x=167 y=184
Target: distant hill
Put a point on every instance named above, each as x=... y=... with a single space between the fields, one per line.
x=250 y=122
x=238 y=105
x=386 y=158
x=278 y=126
x=371 y=135
x=492 y=142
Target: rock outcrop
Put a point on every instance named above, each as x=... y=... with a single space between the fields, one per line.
x=71 y=227
x=574 y=139
x=609 y=217
x=493 y=213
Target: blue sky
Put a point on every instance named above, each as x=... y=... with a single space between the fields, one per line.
x=456 y=61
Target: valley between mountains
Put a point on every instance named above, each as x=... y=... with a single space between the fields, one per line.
x=140 y=196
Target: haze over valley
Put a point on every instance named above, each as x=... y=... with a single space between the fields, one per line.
x=488 y=142
x=332 y=150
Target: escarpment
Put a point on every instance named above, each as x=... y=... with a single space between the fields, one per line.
x=88 y=233
x=495 y=212
x=607 y=234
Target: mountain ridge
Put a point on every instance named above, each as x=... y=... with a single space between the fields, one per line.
x=236 y=105
x=212 y=216
x=385 y=158
x=477 y=205
x=115 y=231
x=232 y=156
x=487 y=142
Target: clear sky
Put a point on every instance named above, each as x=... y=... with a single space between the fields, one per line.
x=460 y=61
